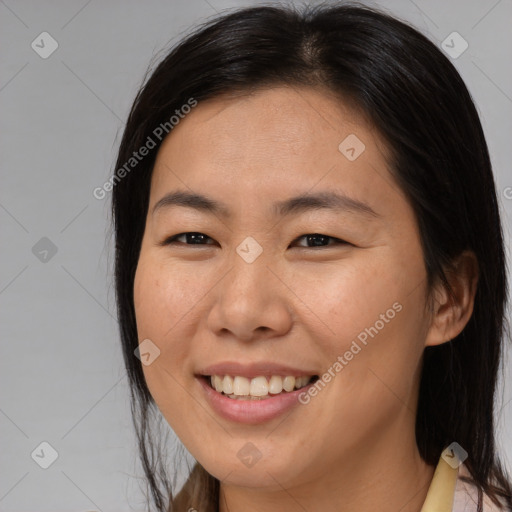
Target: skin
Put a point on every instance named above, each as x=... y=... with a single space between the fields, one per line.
x=353 y=446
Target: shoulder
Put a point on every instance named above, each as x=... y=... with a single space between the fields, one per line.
x=466 y=496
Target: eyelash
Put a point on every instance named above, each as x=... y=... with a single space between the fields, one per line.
x=173 y=239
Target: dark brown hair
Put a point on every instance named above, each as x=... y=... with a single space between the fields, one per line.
x=417 y=100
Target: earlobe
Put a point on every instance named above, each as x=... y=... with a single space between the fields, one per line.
x=451 y=311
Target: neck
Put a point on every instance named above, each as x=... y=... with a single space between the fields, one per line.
x=385 y=477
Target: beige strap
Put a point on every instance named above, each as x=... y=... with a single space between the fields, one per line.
x=442 y=488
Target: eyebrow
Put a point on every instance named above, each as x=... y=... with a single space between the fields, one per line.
x=294 y=205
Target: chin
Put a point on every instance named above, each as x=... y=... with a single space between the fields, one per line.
x=249 y=467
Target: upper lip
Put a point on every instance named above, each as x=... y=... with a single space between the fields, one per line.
x=255 y=369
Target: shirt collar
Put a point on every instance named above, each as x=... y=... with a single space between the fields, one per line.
x=442 y=488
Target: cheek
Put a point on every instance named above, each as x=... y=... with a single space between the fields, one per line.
x=168 y=301
x=163 y=295
x=161 y=299
x=371 y=316
x=349 y=297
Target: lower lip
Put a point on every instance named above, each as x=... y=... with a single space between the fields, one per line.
x=251 y=411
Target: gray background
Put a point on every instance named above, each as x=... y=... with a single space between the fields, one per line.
x=62 y=375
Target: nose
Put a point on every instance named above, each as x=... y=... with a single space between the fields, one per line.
x=250 y=302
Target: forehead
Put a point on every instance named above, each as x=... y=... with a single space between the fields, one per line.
x=274 y=142
x=291 y=120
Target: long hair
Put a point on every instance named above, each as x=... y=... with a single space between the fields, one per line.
x=416 y=99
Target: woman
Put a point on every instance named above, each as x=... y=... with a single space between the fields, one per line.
x=310 y=267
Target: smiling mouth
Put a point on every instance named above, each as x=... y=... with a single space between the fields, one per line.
x=259 y=388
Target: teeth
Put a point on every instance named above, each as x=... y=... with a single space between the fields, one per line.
x=301 y=382
x=259 y=387
x=241 y=386
x=227 y=385
x=275 y=385
x=217 y=383
x=236 y=387
x=289 y=383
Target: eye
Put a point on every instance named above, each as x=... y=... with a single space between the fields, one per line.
x=319 y=240
x=195 y=238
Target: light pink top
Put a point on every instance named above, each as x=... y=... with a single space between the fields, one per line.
x=466 y=496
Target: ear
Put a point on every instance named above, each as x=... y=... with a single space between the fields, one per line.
x=451 y=312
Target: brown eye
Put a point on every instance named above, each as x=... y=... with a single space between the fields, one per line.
x=191 y=238
x=319 y=240
x=311 y=240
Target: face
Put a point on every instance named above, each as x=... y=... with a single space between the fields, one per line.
x=245 y=280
